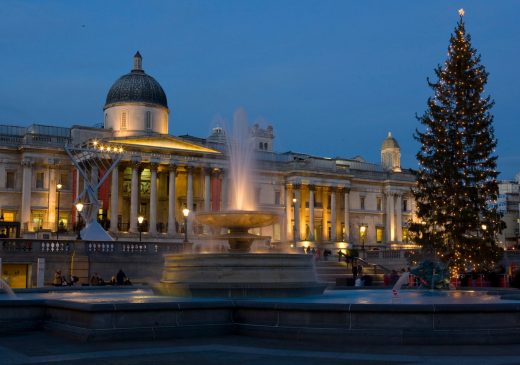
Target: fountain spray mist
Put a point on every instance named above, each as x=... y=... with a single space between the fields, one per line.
x=241 y=164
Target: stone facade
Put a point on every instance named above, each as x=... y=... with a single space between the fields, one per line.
x=317 y=199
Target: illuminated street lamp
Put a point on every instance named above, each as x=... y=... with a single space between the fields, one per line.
x=363 y=230
x=140 y=220
x=79 y=208
x=294 y=219
x=185 y=212
x=58 y=189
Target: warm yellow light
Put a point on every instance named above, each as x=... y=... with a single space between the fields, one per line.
x=95 y=143
x=59 y=186
x=79 y=206
x=294 y=200
x=140 y=219
x=461 y=12
x=484 y=227
x=363 y=229
x=185 y=212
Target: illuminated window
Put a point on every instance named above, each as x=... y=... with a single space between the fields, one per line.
x=148 y=121
x=8 y=216
x=123 y=120
x=37 y=218
x=39 y=180
x=406 y=235
x=9 y=180
x=379 y=234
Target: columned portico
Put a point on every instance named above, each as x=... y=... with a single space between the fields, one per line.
x=389 y=217
x=171 y=200
x=312 y=189
x=152 y=227
x=134 y=196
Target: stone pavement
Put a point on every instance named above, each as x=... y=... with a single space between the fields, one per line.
x=43 y=348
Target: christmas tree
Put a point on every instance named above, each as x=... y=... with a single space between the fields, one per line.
x=456 y=181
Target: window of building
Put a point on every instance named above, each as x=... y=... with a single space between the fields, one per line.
x=64 y=180
x=8 y=216
x=362 y=202
x=123 y=120
x=39 y=180
x=37 y=219
x=261 y=145
x=148 y=125
x=379 y=204
x=379 y=234
x=276 y=198
x=405 y=205
x=265 y=146
x=9 y=180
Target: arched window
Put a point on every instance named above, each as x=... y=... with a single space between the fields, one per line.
x=148 y=120
x=123 y=120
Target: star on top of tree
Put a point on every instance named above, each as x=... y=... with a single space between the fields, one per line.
x=461 y=12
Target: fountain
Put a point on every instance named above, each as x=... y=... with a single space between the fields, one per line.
x=239 y=273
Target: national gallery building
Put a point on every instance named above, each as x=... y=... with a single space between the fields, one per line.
x=318 y=199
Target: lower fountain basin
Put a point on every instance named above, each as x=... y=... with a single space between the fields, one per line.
x=239 y=275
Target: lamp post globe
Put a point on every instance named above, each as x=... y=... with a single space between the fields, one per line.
x=79 y=208
x=59 y=186
x=140 y=220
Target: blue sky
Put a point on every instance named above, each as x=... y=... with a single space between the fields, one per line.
x=332 y=77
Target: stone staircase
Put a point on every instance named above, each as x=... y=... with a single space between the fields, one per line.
x=338 y=274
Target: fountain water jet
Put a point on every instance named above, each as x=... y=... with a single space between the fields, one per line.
x=240 y=273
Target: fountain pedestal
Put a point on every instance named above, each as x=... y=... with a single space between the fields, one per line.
x=239 y=275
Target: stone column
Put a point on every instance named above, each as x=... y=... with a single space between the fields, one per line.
x=152 y=226
x=297 y=195
x=26 y=194
x=333 y=213
x=52 y=202
x=114 y=199
x=171 y=200
x=207 y=195
x=389 y=216
x=312 y=188
x=189 y=196
x=398 y=219
x=224 y=194
x=347 y=215
x=288 y=212
x=134 y=197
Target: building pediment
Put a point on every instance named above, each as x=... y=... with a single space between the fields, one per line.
x=161 y=143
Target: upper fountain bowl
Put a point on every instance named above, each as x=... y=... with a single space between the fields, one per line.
x=237 y=219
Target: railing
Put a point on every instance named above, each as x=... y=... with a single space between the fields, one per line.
x=56 y=247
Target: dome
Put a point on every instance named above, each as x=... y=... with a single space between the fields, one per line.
x=136 y=87
x=389 y=142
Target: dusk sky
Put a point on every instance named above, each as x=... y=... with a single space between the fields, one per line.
x=332 y=77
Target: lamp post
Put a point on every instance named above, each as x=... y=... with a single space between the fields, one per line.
x=363 y=230
x=79 y=208
x=295 y=228
x=58 y=188
x=140 y=220
x=185 y=212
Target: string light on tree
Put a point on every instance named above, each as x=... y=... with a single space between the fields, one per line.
x=456 y=179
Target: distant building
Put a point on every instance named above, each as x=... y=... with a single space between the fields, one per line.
x=508 y=205
x=335 y=199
